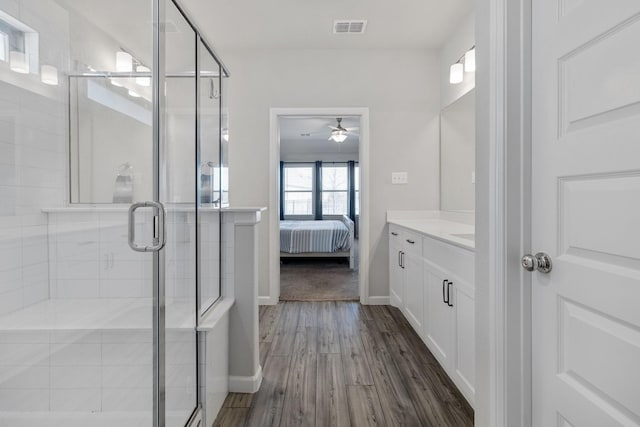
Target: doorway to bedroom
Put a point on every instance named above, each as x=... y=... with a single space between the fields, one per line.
x=319 y=209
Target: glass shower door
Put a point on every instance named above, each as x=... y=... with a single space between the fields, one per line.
x=178 y=193
x=211 y=171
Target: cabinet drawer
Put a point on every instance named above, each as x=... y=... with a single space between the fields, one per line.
x=395 y=234
x=412 y=242
x=450 y=257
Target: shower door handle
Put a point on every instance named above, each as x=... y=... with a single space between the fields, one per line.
x=159 y=227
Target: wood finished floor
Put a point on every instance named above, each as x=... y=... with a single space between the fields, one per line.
x=344 y=364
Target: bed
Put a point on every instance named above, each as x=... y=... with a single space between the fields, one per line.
x=324 y=238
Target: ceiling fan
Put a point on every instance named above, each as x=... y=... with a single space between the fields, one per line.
x=339 y=133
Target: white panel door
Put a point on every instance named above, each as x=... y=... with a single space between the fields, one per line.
x=586 y=212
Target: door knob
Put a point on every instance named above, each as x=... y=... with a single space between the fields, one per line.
x=539 y=261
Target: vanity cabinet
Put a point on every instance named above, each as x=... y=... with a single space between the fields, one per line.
x=431 y=282
x=406 y=274
x=438 y=330
x=396 y=273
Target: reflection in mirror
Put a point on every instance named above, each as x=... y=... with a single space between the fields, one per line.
x=457 y=155
x=110 y=142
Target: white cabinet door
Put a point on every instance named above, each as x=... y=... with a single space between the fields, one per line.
x=439 y=319
x=585 y=211
x=464 y=361
x=396 y=276
x=413 y=290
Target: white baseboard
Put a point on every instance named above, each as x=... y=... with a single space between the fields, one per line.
x=239 y=384
x=377 y=301
x=267 y=301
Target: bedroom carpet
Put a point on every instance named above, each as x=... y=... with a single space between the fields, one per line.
x=317 y=281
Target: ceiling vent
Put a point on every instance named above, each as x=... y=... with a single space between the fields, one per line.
x=344 y=26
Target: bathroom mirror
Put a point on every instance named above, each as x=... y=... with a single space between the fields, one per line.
x=457 y=155
x=110 y=141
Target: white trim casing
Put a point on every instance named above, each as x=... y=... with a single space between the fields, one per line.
x=252 y=384
x=503 y=145
x=268 y=300
x=274 y=228
x=378 y=301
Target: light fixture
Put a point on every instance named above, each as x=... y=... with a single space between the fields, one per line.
x=18 y=62
x=49 y=75
x=134 y=94
x=338 y=133
x=338 y=136
x=456 y=73
x=143 y=81
x=470 y=60
x=124 y=62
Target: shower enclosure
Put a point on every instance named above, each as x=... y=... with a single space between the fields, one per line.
x=113 y=139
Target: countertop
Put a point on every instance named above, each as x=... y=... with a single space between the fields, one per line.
x=453 y=232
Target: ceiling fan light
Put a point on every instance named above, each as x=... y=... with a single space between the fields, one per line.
x=338 y=136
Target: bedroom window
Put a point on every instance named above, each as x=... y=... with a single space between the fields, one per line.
x=335 y=189
x=298 y=189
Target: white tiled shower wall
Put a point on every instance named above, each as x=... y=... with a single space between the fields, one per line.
x=32 y=175
x=33 y=118
x=90 y=256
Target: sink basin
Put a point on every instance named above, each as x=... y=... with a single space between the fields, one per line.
x=467 y=236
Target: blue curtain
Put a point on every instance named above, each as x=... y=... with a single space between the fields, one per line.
x=281 y=191
x=318 y=191
x=352 y=190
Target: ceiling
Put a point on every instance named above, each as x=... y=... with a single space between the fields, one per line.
x=292 y=142
x=287 y=24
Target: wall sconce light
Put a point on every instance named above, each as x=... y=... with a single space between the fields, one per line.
x=124 y=62
x=18 y=62
x=49 y=75
x=470 y=60
x=143 y=81
x=456 y=73
x=466 y=63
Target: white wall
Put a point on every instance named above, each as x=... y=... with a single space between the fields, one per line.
x=401 y=90
x=460 y=41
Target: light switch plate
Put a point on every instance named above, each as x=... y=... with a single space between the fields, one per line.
x=473 y=177
x=399 y=178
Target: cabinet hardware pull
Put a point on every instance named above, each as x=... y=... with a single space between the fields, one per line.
x=411 y=241
x=449 y=303
x=444 y=292
x=393 y=233
x=402 y=259
x=399 y=258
